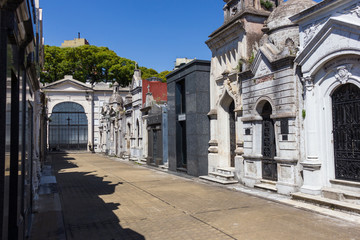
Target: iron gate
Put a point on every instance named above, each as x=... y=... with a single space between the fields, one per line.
x=346 y=130
x=68 y=127
x=232 y=134
x=269 y=165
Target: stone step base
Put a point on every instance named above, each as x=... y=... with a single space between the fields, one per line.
x=225 y=170
x=222 y=176
x=341 y=205
x=218 y=180
x=133 y=159
x=341 y=195
x=266 y=186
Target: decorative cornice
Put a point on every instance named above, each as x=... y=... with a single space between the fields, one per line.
x=353 y=9
x=290 y=161
x=257 y=157
x=251 y=118
x=283 y=115
x=213 y=142
x=229 y=32
x=311 y=165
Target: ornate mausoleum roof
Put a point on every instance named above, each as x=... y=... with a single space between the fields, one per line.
x=115 y=97
x=280 y=16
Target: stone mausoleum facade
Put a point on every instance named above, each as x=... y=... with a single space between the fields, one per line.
x=189 y=103
x=329 y=60
x=75 y=112
x=284 y=97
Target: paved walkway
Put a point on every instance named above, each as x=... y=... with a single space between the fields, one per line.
x=106 y=199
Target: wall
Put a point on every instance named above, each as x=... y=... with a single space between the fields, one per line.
x=196 y=76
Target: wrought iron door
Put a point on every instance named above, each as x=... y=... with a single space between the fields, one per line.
x=68 y=127
x=232 y=134
x=346 y=132
x=269 y=166
x=155 y=145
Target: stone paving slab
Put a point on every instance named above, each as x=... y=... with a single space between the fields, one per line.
x=103 y=198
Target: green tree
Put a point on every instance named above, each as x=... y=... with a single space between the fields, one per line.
x=90 y=63
x=163 y=74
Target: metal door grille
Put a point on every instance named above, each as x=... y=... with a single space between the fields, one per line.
x=68 y=127
x=269 y=165
x=232 y=134
x=346 y=130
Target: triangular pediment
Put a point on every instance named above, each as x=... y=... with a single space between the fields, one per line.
x=261 y=66
x=68 y=85
x=338 y=36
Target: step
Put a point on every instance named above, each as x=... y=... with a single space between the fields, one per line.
x=213 y=179
x=268 y=182
x=341 y=195
x=225 y=170
x=327 y=202
x=222 y=176
x=266 y=186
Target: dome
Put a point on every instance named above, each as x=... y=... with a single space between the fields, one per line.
x=115 y=97
x=280 y=16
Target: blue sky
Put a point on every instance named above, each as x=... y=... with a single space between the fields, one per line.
x=153 y=33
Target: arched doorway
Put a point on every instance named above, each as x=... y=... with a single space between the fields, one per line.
x=346 y=132
x=68 y=128
x=269 y=166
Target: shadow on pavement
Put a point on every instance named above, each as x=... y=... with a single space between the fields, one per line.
x=86 y=215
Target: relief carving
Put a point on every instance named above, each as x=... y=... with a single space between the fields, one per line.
x=353 y=9
x=308 y=82
x=312 y=29
x=343 y=73
x=232 y=89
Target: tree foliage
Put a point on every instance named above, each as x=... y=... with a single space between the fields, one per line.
x=90 y=63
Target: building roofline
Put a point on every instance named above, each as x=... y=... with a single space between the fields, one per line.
x=188 y=65
x=316 y=8
x=239 y=16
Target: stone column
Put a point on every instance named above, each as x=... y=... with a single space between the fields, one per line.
x=311 y=166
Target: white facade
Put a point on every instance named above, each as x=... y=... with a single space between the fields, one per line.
x=90 y=97
x=329 y=60
x=271 y=98
x=231 y=47
x=135 y=120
